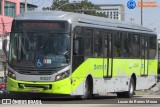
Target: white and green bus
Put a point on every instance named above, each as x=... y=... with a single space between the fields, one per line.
x=63 y=53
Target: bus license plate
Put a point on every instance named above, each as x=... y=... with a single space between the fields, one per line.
x=34 y=91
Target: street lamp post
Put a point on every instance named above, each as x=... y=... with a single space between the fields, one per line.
x=25 y=6
x=141 y=12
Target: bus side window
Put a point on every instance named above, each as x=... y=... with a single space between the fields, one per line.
x=136 y=46
x=88 y=41
x=127 y=45
x=152 y=47
x=107 y=44
x=105 y=48
x=98 y=44
x=78 y=41
x=78 y=46
x=118 y=45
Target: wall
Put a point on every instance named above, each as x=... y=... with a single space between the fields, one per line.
x=7 y=19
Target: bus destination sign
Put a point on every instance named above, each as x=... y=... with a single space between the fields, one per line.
x=39 y=25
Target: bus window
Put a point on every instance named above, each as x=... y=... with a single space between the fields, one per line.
x=28 y=48
x=107 y=44
x=118 y=45
x=78 y=41
x=78 y=46
x=136 y=46
x=97 y=44
x=127 y=45
x=152 y=47
x=144 y=47
x=88 y=43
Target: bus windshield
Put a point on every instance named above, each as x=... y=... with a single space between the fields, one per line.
x=39 y=50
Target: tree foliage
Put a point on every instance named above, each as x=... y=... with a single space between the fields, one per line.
x=84 y=7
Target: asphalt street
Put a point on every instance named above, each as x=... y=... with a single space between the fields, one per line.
x=112 y=99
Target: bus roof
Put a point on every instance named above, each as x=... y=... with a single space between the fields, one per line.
x=81 y=18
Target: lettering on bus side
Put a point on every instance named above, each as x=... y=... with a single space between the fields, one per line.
x=100 y=67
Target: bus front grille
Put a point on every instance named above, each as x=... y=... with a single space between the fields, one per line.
x=45 y=86
x=35 y=71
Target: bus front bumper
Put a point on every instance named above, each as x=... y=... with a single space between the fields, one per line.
x=57 y=87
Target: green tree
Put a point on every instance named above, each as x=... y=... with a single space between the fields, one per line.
x=85 y=7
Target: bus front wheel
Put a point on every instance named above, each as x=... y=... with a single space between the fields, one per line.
x=88 y=94
x=88 y=90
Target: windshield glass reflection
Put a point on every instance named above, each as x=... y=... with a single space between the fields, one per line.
x=40 y=50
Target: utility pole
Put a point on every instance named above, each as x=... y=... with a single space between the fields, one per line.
x=4 y=60
x=25 y=5
x=3 y=26
x=141 y=12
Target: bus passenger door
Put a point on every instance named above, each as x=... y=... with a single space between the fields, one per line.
x=107 y=55
x=144 y=56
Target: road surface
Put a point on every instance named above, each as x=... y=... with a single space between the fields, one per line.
x=112 y=99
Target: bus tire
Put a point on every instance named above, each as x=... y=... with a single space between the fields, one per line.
x=88 y=93
x=130 y=92
x=120 y=94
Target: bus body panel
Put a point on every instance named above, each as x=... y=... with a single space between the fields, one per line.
x=59 y=87
x=75 y=84
x=146 y=82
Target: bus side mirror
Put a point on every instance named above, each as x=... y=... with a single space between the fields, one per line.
x=5 y=46
x=76 y=46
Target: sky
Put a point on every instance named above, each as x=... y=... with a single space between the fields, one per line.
x=151 y=16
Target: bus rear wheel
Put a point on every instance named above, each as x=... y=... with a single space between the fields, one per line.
x=129 y=93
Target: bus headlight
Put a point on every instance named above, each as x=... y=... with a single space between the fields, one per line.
x=62 y=76
x=11 y=74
